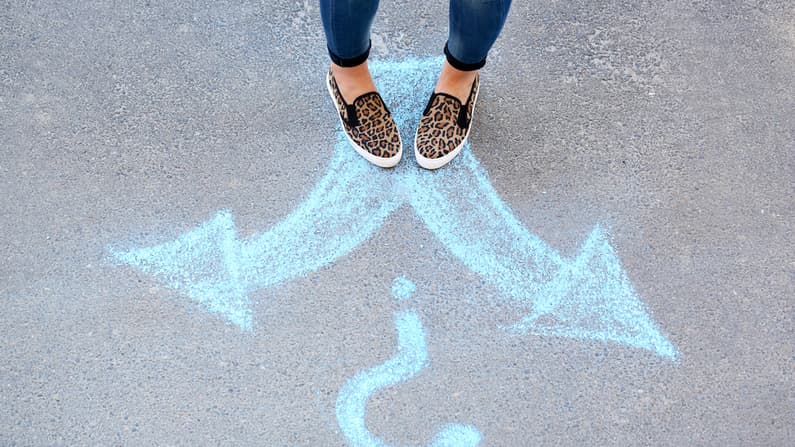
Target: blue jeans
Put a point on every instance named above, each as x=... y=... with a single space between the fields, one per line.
x=473 y=28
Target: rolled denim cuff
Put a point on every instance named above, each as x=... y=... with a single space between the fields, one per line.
x=350 y=61
x=463 y=66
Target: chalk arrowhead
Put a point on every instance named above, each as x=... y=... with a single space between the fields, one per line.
x=202 y=264
x=592 y=298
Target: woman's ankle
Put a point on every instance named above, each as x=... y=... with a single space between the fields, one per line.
x=455 y=82
x=353 y=81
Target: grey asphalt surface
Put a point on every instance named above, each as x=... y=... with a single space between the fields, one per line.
x=670 y=122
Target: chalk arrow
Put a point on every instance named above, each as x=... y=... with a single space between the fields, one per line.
x=587 y=297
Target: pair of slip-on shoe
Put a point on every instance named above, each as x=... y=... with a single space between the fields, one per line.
x=371 y=130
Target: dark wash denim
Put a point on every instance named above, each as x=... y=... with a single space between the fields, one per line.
x=473 y=27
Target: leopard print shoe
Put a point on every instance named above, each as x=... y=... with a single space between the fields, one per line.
x=369 y=126
x=444 y=128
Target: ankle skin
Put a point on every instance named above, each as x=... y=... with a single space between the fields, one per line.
x=353 y=81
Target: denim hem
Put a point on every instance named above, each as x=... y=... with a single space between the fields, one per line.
x=350 y=61
x=463 y=66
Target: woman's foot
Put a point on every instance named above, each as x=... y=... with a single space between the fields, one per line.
x=447 y=119
x=366 y=120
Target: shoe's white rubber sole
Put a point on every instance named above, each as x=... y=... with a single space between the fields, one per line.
x=436 y=163
x=383 y=162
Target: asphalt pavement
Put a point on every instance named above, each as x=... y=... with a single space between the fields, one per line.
x=190 y=256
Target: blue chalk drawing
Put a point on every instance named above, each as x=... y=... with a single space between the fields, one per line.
x=588 y=296
x=403 y=288
x=411 y=358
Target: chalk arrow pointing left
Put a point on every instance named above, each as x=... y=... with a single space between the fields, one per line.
x=588 y=296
